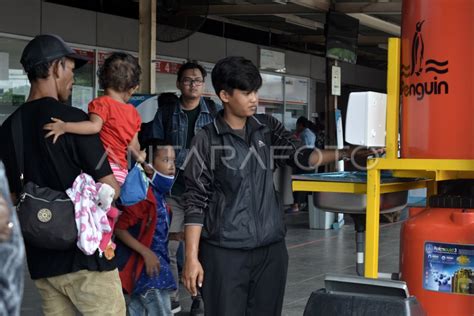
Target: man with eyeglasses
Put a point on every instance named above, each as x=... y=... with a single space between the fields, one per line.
x=177 y=124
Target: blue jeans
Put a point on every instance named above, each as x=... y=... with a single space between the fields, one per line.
x=153 y=302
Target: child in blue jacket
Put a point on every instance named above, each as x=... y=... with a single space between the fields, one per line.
x=143 y=228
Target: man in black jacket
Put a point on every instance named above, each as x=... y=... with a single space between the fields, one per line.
x=234 y=230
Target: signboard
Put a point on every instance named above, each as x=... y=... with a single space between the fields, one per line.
x=101 y=56
x=167 y=67
x=296 y=90
x=271 y=90
x=336 y=80
x=272 y=60
x=341 y=36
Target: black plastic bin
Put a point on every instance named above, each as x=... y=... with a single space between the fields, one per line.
x=357 y=296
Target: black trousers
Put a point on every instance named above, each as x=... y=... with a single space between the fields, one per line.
x=244 y=282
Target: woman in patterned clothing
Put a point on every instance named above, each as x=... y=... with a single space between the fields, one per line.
x=12 y=253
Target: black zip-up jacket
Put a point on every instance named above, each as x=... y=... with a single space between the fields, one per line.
x=229 y=181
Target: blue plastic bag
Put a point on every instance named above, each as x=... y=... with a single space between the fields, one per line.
x=135 y=187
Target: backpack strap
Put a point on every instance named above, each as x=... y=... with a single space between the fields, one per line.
x=167 y=111
x=17 y=132
x=211 y=106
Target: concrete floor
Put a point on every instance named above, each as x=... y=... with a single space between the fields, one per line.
x=313 y=253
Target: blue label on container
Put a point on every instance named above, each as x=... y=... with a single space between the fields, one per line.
x=449 y=268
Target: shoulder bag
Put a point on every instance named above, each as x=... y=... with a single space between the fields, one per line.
x=47 y=216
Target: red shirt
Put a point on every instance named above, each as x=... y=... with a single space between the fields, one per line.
x=121 y=123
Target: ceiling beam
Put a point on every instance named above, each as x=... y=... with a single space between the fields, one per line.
x=319 y=5
x=248 y=25
x=369 y=7
x=258 y=9
x=296 y=20
x=321 y=39
x=376 y=23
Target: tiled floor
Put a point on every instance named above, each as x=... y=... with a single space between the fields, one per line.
x=313 y=253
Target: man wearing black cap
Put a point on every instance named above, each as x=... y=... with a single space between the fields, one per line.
x=69 y=278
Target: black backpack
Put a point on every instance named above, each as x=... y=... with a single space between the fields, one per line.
x=168 y=109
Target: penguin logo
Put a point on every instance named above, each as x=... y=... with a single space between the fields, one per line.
x=418 y=63
x=417 y=50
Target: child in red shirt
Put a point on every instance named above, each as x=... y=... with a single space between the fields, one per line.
x=117 y=122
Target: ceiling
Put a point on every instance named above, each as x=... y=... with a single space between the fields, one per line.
x=299 y=24
x=289 y=24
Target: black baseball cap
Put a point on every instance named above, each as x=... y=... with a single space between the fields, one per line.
x=48 y=47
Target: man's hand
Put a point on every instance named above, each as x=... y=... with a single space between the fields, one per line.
x=56 y=129
x=138 y=155
x=363 y=152
x=152 y=263
x=5 y=223
x=193 y=275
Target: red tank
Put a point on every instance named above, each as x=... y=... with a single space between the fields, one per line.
x=437 y=79
x=437 y=259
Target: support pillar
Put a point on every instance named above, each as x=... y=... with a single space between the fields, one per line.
x=147 y=45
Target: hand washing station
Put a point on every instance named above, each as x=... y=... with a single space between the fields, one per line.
x=346 y=192
x=354 y=203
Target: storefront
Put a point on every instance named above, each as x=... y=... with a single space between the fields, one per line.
x=282 y=96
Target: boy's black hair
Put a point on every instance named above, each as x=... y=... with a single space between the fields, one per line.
x=120 y=72
x=152 y=146
x=235 y=73
x=191 y=65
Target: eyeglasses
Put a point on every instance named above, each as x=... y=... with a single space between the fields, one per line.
x=189 y=81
